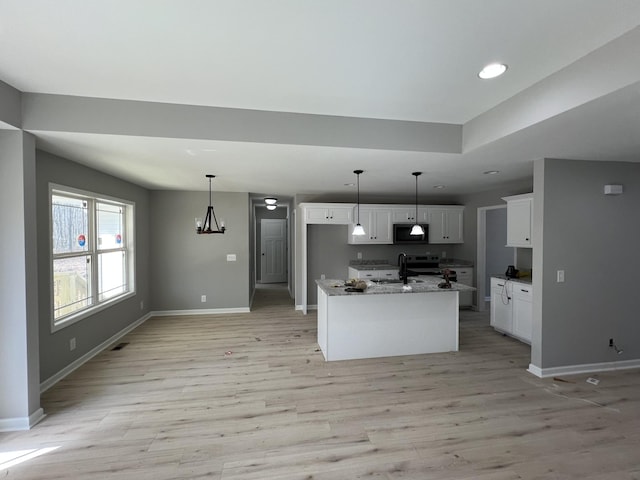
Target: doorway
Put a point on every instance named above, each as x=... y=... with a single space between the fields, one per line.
x=493 y=254
x=273 y=250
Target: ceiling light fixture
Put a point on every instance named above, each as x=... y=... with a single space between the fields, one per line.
x=491 y=172
x=417 y=228
x=270 y=200
x=206 y=226
x=492 y=70
x=438 y=187
x=358 y=229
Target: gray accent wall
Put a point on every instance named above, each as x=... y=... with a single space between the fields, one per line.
x=185 y=265
x=19 y=369
x=98 y=328
x=498 y=255
x=594 y=238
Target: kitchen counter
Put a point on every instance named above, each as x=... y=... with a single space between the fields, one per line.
x=387 y=319
x=423 y=285
x=454 y=262
x=525 y=280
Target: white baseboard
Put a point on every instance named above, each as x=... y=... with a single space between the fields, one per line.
x=21 y=423
x=209 y=311
x=584 y=368
x=309 y=307
x=51 y=381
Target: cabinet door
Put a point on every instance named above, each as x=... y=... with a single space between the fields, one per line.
x=523 y=312
x=519 y=214
x=501 y=307
x=377 y=227
x=316 y=215
x=445 y=225
x=341 y=215
x=403 y=214
x=465 y=277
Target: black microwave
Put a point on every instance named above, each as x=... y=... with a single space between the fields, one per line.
x=402 y=234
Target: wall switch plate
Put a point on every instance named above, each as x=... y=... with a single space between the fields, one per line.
x=560 y=276
x=359 y=255
x=231 y=257
x=203 y=298
x=72 y=344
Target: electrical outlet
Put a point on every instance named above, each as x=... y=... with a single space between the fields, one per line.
x=560 y=276
x=359 y=255
x=203 y=298
x=322 y=277
x=611 y=342
x=72 y=344
x=142 y=305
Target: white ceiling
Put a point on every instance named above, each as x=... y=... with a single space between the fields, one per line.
x=384 y=59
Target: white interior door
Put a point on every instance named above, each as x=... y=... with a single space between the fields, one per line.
x=273 y=238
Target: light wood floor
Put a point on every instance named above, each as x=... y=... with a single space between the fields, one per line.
x=249 y=396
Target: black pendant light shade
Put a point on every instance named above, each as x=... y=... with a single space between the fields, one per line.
x=357 y=228
x=417 y=228
x=205 y=227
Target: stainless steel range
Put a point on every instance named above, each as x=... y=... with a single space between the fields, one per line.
x=426 y=265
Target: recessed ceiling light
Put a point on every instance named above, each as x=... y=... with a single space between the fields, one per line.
x=349 y=184
x=492 y=70
x=438 y=186
x=491 y=172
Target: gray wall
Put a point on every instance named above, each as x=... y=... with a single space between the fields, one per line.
x=19 y=370
x=10 y=105
x=92 y=331
x=595 y=239
x=186 y=265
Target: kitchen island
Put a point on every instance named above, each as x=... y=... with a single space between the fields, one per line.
x=387 y=319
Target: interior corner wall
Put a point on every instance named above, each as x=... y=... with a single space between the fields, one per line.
x=101 y=326
x=10 y=105
x=594 y=238
x=19 y=369
x=186 y=265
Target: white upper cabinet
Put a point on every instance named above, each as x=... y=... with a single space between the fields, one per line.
x=329 y=214
x=446 y=224
x=377 y=225
x=407 y=214
x=519 y=220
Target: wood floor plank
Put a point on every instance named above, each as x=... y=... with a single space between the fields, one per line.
x=249 y=396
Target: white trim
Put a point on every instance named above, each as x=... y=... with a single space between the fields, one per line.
x=309 y=307
x=584 y=368
x=21 y=423
x=51 y=381
x=209 y=311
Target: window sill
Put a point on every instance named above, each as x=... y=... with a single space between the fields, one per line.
x=90 y=312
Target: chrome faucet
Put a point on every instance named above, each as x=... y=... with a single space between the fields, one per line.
x=403 y=272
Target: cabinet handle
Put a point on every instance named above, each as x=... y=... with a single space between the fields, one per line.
x=501 y=284
x=523 y=290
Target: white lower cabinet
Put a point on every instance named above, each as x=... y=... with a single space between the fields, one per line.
x=512 y=308
x=381 y=274
x=465 y=277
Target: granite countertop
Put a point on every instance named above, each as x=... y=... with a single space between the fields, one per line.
x=525 y=280
x=454 y=262
x=427 y=285
x=379 y=266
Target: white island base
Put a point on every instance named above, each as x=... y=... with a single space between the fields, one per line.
x=368 y=326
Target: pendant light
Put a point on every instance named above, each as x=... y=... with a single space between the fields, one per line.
x=209 y=217
x=417 y=228
x=358 y=229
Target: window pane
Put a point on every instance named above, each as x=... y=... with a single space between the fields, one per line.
x=110 y=220
x=70 y=224
x=71 y=285
x=111 y=275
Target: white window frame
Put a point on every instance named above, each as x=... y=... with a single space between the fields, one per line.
x=93 y=251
